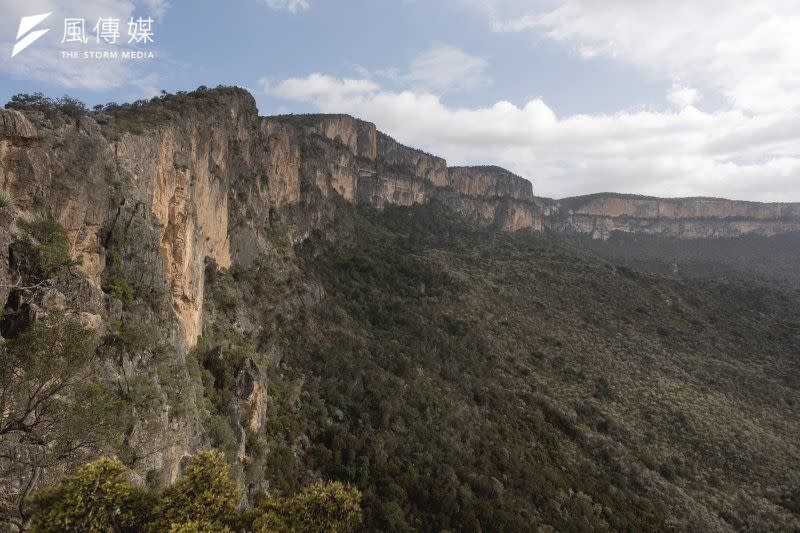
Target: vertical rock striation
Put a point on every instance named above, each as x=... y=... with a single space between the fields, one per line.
x=213 y=177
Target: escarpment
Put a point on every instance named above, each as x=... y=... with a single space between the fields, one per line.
x=208 y=177
x=216 y=257
x=600 y=215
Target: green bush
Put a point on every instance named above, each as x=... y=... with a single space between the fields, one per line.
x=332 y=507
x=6 y=199
x=97 y=497
x=118 y=287
x=205 y=494
x=68 y=105
x=42 y=252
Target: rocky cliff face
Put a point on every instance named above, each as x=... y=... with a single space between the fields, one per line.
x=600 y=215
x=159 y=192
x=489 y=182
x=209 y=179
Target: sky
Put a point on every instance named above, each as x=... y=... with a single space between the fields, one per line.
x=663 y=97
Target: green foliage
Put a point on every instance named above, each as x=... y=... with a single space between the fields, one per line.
x=132 y=335
x=198 y=526
x=332 y=507
x=205 y=494
x=138 y=116
x=67 y=105
x=97 y=497
x=771 y=259
x=42 y=252
x=37 y=101
x=54 y=411
x=465 y=379
x=221 y=435
x=7 y=199
x=118 y=287
x=39 y=364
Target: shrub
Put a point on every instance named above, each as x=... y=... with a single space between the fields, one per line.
x=118 y=287
x=198 y=526
x=72 y=107
x=6 y=199
x=97 y=497
x=132 y=335
x=204 y=495
x=42 y=252
x=36 y=101
x=333 y=507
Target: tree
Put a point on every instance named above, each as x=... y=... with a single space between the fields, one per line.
x=332 y=507
x=204 y=495
x=51 y=412
x=36 y=101
x=72 y=107
x=97 y=497
x=42 y=253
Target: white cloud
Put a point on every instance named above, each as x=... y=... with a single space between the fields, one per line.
x=748 y=51
x=42 y=61
x=684 y=152
x=444 y=68
x=316 y=86
x=292 y=6
x=683 y=96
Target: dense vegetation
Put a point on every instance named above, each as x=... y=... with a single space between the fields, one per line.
x=98 y=497
x=446 y=376
x=772 y=259
x=465 y=379
x=117 y=118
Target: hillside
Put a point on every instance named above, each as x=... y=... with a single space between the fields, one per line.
x=773 y=259
x=320 y=302
x=470 y=380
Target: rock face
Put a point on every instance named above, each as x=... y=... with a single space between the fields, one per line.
x=180 y=184
x=600 y=215
x=412 y=161
x=14 y=125
x=210 y=179
x=489 y=182
x=188 y=170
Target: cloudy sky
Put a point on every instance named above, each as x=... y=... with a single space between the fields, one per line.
x=663 y=97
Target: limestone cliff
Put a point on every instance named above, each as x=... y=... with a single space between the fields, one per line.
x=210 y=176
x=488 y=182
x=600 y=215
x=168 y=192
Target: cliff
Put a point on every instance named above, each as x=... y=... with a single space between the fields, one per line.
x=600 y=215
x=207 y=176
x=158 y=192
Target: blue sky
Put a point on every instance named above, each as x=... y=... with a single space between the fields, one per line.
x=577 y=95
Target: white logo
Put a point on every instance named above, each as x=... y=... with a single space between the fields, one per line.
x=25 y=25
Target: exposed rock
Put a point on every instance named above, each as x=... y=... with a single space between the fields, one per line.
x=357 y=135
x=600 y=215
x=156 y=195
x=489 y=182
x=251 y=388
x=412 y=161
x=285 y=171
x=15 y=125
